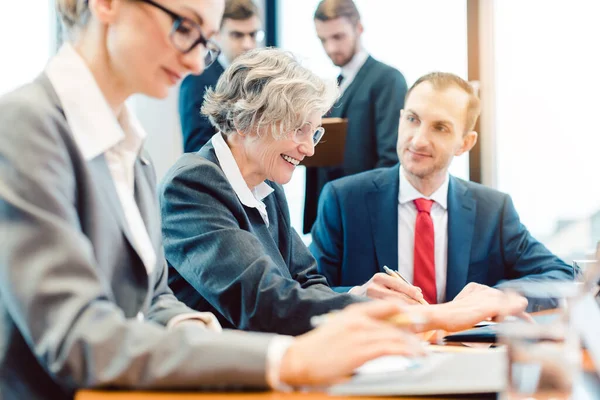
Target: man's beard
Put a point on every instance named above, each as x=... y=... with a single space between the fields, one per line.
x=349 y=58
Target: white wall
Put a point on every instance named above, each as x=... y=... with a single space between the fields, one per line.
x=160 y=118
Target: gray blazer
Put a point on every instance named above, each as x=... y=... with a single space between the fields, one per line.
x=71 y=284
x=226 y=260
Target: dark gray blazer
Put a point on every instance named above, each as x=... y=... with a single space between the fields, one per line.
x=225 y=259
x=71 y=284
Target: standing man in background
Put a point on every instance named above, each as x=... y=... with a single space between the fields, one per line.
x=372 y=97
x=240 y=31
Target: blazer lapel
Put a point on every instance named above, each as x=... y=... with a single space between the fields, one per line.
x=382 y=204
x=339 y=110
x=146 y=199
x=107 y=189
x=462 y=210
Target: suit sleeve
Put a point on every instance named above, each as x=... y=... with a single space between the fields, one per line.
x=304 y=267
x=195 y=127
x=328 y=238
x=58 y=299
x=228 y=265
x=165 y=305
x=389 y=93
x=524 y=257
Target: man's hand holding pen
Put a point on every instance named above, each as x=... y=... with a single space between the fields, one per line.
x=388 y=286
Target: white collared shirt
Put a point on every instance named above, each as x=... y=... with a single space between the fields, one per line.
x=350 y=70
x=249 y=197
x=407 y=218
x=97 y=131
x=221 y=59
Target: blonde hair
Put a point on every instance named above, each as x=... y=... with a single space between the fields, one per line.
x=267 y=88
x=444 y=80
x=73 y=13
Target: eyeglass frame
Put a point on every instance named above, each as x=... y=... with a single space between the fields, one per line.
x=314 y=134
x=177 y=21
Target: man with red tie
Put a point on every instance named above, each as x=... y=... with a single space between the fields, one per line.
x=439 y=232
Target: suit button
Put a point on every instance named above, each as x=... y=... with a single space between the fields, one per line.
x=140 y=316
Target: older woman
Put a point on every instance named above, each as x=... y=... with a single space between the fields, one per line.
x=226 y=224
x=225 y=217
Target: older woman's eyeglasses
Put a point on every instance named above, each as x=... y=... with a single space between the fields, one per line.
x=306 y=131
x=187 y=34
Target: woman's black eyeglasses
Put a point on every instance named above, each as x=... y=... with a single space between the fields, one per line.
x=186 y=35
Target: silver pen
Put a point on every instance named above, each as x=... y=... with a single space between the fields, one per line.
x=396 y=274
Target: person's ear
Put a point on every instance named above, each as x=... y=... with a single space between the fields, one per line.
x=468 y=141
x=105 y=11
x=359 y=28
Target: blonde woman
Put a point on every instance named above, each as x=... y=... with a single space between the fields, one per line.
x=84 y=300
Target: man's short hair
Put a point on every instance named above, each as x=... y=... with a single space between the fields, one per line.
x=445 y=80
x=239 y=10
x=332 y=9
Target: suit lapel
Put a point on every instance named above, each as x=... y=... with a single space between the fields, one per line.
x=339 y=110
x=107 y=190
x=382 y=204
x=462 y=210
x=146 y=199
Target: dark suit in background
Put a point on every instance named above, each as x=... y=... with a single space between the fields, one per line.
x=195 y=127
x=372 y=104
x=225 y=259
x=356 y=234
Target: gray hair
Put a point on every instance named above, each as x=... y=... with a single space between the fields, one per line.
x=267 y=88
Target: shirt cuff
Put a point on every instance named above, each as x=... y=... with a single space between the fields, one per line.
x=353 y=289
x=207 y=319
x=275 y=352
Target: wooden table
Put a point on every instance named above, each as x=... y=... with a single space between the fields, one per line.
x=98 y=395
x=129 y=395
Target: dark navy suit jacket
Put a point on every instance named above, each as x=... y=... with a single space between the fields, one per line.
x=195 y=127
x=223 y=258
x=372 y=104
x=356 y=234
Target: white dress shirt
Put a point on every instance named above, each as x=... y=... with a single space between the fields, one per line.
x=350 y=70
x=252 y=198
x=221 y=59
x=407 y=218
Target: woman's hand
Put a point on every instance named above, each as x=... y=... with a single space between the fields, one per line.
x=347 y=340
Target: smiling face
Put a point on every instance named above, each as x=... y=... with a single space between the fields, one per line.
x=432 y=130
x=265 y=157
x=139 y=47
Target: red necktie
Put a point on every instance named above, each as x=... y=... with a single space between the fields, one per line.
x=424 y=260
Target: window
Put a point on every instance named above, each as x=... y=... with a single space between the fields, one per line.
x=415 y=36
x=548 y=141
x=24 y=51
